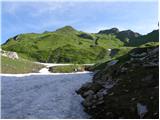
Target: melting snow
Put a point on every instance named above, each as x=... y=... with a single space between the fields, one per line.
x=47 y=95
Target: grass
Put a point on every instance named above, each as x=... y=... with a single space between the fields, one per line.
x=74 y=46
x=18 y=66
x=69 y=68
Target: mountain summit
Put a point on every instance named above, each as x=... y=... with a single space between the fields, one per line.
x=109 y=31
x=66 y=29
x=125 y=36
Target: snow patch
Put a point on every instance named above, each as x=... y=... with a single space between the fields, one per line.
x=44 y=70
x=43 y=96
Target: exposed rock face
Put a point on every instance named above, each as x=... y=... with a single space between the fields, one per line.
x=86 y=36
x=127 y=34
x=150 y=37
x=12 y=55
x=109 y=31
x=124 y=36
x=126 y=89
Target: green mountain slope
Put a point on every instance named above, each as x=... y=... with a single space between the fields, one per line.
x=17 y=66
x=131 y=38
x=125 y=36
x=64 y=45
x=150 y=37
x=67 y=45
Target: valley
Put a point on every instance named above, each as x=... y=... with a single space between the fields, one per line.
x=72 y=74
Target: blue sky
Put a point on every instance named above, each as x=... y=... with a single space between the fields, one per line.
x=25 y=17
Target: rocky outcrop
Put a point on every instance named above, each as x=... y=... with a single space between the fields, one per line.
x=12 y=55
x=86 y=36
x=126 y=89
x=124 y=36
x=127 y=34
x=109 y=31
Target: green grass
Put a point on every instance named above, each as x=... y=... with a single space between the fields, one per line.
x=150 y=37
x=67 y=45
x=18 y=66
x=69 y=68
x=150 y=44
x=68 y=41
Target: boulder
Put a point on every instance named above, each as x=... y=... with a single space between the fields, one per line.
x=88 y=93
x=12 y=55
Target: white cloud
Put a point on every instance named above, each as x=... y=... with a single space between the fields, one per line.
x=37 y=7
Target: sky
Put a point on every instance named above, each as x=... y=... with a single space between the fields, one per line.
x=37 y=16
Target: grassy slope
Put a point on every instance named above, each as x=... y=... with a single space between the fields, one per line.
x=67 y=41
x=18 y=66
x=150 y=37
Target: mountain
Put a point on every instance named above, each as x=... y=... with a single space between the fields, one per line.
x=124 y=36
x=65 y=45
x=150 y=37
x=109 y=31
x=131 y=38
x=68 y=45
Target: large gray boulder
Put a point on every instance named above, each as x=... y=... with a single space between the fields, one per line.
x=12 y=55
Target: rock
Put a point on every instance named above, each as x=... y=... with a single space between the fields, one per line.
x=113 y=62
x=125 y=85
x=148 y=77
x=86 y=103
x=133 y=99
x=138 y=55
x=109 y=50
x=100 y=102
x=142 y=110
x=109 y=84
x=86 y=36
x=93 y=106
x=88 y=93
x=151 y=64
x=111 y=94
x=85 y=87
x=154 y=51
x=89 y=98
x=12 y=55
x=126 y=90
x=123 y=69
x=109 y=31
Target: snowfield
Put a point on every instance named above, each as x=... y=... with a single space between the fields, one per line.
x=38 y=95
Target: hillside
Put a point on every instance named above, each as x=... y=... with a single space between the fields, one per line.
x=125 y=88
x=64 y=45
x=68 y=45
x=16 y=66
x=131 y=38
x=150 y=37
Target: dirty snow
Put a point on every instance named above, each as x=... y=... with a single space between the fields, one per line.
x=47 y=95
